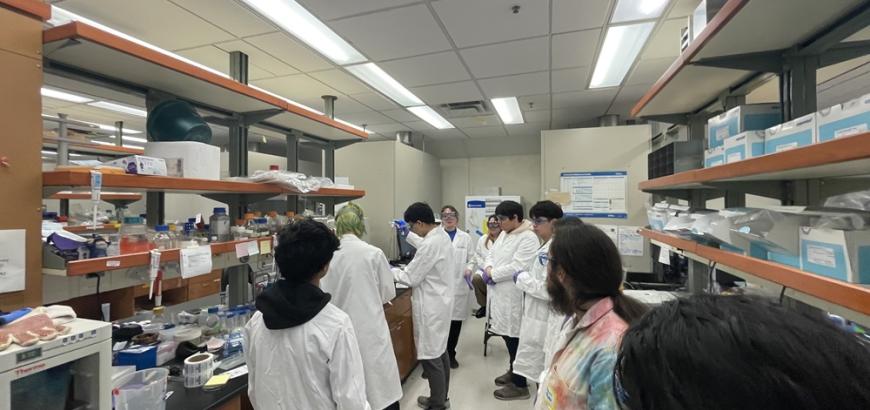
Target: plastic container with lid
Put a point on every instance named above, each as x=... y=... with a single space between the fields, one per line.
x=162 y=240
x=212 y=322
x=142 y=390
x=134 y=236
x=219 y=226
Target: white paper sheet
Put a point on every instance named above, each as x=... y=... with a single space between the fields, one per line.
x=195 y=261
x=630 y=242
x=665 y=256
x=12 y=260
x=612 y=231
x=598 y=194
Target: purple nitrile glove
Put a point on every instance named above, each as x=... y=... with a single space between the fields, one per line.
x=468 y=281
x=517 y=275
x=487 y=279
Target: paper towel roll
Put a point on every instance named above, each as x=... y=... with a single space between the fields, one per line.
x=198 y=369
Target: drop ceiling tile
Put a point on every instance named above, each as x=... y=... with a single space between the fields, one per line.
x=400 y=115
x=375 y=101
x=421 y=126
x=218 y=59
x=451 y=133
x=336 y=9
x=537 y=116
x=649 y=71
x=341 y=81
x=666 y=41
x=574 y=117
x=290 y=51
x=575 y=49
x=228 y=15
x=682 y=8
x=535 y=102
x=474 y=122
x=516 y=85
x=158 y=22
x=258 y=57
x=477 y=22
x=448 y=93
x=571 y=79
x=532 y=129
x=387 y=129
x=585 y=99
x=515 y=57
x=49 y=104
x=485 y=132
x=366 y=117
x=429 y=69
x=346 y=105
x=571 y=15
x=395 y=33
x=300 y=88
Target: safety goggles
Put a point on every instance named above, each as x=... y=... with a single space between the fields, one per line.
x=540 y=221
x=449 y=215
x=544 y=259
x=493 y=225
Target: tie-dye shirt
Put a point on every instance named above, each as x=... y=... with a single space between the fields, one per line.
x=581 y=375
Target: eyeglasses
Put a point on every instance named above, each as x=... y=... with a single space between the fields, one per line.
x=447 y=215
x=540 y=221
x=493 y=225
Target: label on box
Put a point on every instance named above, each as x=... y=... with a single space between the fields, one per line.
x=786 y=147
x=113 y=264
x=818 y=255
x=734 y=157
x=845 y=132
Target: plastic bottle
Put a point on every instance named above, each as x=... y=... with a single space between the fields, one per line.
x=174 y=235
x=222 y=320
x=134 y=236
x=212 y=322
x=162 y=240
x=219 y=226
x=158 y=316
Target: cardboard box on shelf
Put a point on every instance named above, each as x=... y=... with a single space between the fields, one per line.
x=799 y=132
x=714 y=157
x=745 y=145
x=844 y=120
x=749 y=117
x=140 y=165
x=198 y=160
x=842 y=255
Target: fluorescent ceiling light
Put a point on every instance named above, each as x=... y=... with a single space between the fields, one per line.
x=631 y=10
x=64 y=95
x=621 y=47
x=381 y=81
x=429 y=115
x=508 y=109
x=125 y=109
x=296 y=20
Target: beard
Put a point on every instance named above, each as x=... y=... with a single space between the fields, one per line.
x=560 y=300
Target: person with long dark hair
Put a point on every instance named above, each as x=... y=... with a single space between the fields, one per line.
x=584 y=281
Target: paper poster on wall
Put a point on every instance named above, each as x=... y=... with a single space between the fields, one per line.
x=598 y=194
x=630 y=242
x=478 y=208
x=12 y=260
x=611 y=230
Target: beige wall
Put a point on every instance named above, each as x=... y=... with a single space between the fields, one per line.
x=515 y=174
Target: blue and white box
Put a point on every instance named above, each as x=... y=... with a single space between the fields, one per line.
x=799 y=132
x=750 y=117
x=749 y=144
x=844 y=120
x=838 y=254
x=714 y=157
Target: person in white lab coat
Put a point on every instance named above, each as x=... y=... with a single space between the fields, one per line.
x=536 y=302
x=493 y=229
x=301 y=350
x=431 y=276
x=512 y=252
x=464 y=252
x=360 y=282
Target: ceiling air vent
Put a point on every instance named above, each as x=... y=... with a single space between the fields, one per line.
x=465 y=108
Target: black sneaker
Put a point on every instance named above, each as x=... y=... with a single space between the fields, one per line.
x=423 y=402
x=504 y=379
x=453 y=363
x=512 y=392
x=480 y=313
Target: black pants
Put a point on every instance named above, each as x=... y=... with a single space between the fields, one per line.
x=513 y=343
x=394 y=406
x=438 y=370
x=453 y=338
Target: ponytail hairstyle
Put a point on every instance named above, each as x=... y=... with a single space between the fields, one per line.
x=592 y=268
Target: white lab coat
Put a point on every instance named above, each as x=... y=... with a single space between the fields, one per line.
x=431 y=275
x=314 y=366
x=481 y=251
x=555 y=323
x=464 y=252
x=530 y=358
x=360 y=282
x=512 y=252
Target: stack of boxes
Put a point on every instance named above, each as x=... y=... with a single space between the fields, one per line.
x=735 y=122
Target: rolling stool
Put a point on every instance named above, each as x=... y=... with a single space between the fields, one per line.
x=486 y=332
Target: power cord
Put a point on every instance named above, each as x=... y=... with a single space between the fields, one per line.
x=782 y=295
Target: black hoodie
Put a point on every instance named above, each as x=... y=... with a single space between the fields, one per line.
x=287 y=304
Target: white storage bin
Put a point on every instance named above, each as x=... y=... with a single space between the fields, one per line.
x=714 y=157
x=796 y=133
x=198 y=160
x=750 y=117
x=749 y=144
x=842 y=255
x=844 y=120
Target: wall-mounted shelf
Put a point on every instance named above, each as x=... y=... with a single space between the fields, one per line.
x=104 y=196
x=91 y=148
x=808 y=287
x=106 y=55
x=132 y=260
x=740 y=27
x=837 y=158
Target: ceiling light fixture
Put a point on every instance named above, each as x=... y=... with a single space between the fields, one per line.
x=374 y=76
x=508 y=109
x=426 y=113
x=296 y=20
x=64 y=95
x=124 y=109
x=632 y=10
x=622 y=45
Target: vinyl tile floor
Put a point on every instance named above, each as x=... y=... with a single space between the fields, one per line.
x=471 y=385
